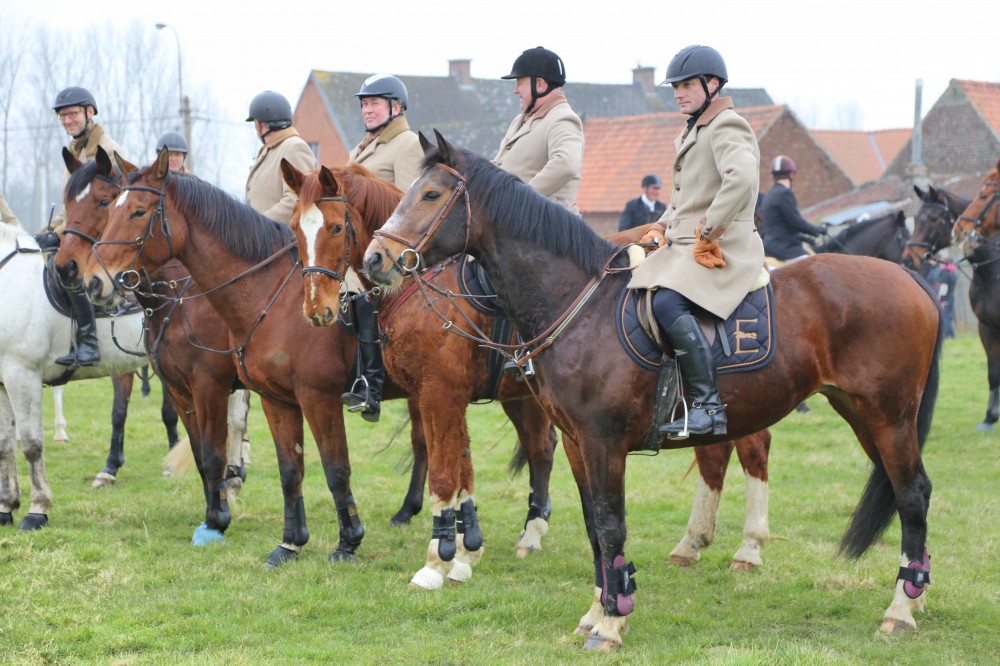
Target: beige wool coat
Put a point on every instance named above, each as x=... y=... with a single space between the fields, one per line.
x=266 y=190
x=85 y=149
x=394 y=155
x=546 y=153
x=715 y=178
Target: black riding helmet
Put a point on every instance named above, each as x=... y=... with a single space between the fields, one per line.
x=539 y=63
x=697 y=61
x=388 y=87
x=272 y=109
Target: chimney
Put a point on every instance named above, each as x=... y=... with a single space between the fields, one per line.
x=916 y=169
x=461 y=71
x=645 y=77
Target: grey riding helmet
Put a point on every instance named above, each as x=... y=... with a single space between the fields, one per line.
x=272 y=109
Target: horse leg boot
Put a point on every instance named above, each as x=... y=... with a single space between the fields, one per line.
x=87 y=352
x=365 y=395
x=694 y=356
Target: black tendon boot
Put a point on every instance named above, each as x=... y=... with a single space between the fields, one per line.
x=694 y=357
x=87 y=352
x=365 y=395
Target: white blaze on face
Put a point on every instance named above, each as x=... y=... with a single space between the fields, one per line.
x=122 y=199
x=83 y=194
x=310 y=223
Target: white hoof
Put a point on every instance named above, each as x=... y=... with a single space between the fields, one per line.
x=103 y=479
x=428 y=579
x=460 y=571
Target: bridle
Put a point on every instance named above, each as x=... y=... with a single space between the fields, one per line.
x=350 y=242
x=413 y=249
x=130 y=279
x=974 y=238
x=116 y=185
x=941 y=227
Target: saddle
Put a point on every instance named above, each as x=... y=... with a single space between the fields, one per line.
x=56 y=293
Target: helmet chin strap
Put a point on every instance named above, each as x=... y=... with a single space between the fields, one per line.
x=534 y=92
x=86 y=126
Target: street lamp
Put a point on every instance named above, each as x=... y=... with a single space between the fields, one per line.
x=185 y=107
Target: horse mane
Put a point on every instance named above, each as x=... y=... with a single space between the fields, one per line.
x=247 y=233
x=516 y=208
x=374 y=198
x=80 y=179
x=860 y=227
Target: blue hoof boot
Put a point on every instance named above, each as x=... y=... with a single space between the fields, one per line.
x=34 y=521
x=204 y=535
x=279 y=556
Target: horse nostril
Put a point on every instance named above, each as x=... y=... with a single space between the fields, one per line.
x=373 y=262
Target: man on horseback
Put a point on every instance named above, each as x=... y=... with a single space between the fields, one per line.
x=392 y=152
x=784 y=225
x=709 y=253
x=177 y=150
x=76 y=109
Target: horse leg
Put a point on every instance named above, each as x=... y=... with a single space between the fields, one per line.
x=23 y=399
x=10 y=494
x=537 y=441
x=413 y=501
x=447 y=436
x=119 y=412
x=991 y=343
x=285 y=422
x=713 y=461
x=326 y=420
x=575 y=458
x=237 y=442
x=208 y=430
x=60 y=418
x=169 y=416
x=753 y=452
x=469 y=546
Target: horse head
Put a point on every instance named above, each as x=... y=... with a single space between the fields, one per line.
x=980 y=221
x=138 y=235
x=931 y=227
x=431 y=223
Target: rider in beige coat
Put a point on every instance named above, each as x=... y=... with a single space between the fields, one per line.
x=266 y=191
x=544 y=144
x=710 y=253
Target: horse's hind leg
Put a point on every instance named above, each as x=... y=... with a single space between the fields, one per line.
x=753 y=452
x=413 y=501
x=119 y=412
x=237 y=459
x=60 y=417
x=537 y=441
x=712 y=460
x=10 y=494
x=992 y=346
x=168 y=414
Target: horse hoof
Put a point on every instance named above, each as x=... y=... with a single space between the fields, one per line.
x=401 y=519
x=742 y=566
x=603 y=644
x=682 y=561
x=893 y=626
x=342 y=556
x=233 y=487
x=103 y=479
x=984 y=427
x=204 y=535
x=6 y=518
x=279 y=556
x=34 y=521
x=583 y=630
x=523 y=551
x=427 y=579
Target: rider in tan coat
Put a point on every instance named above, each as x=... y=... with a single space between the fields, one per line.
x=710 y=253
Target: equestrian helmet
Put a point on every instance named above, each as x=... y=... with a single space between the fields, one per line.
x=651 y=180
x=384 y=85
x=696 y=61
x=539 y=62
x=172 y=141
x=782 y=167
x=74 y=96
x=272 y=109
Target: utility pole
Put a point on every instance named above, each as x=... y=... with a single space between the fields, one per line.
x=185 y=102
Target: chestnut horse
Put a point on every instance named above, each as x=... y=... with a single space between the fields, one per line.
x=245 y=266
x=977 y=233
x=447 y=371
x=198 y=380
x=831 y=313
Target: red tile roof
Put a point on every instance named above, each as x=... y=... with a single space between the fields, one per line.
x=620 y=151
x=863 y=156
x=986 y=98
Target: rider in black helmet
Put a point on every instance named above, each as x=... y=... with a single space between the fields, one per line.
x=177 y=149
x=76 y=109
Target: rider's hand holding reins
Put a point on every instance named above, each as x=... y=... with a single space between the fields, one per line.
x=654 y=236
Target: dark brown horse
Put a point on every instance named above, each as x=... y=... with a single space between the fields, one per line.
x=179 y=340
x=245 y=265
x=831 y=314
x=884 y=237
x=977 y=233
x=338 y=212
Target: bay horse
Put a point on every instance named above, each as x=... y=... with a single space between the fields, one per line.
x=447 y=371
x=976 y=232
x=245 y=265
x=884 y=237
x=830 y=310
x=32 y=336
x=179 y=339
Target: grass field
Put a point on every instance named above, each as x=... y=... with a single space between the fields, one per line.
x=114 y=579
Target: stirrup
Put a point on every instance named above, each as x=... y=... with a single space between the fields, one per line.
x=524 y=371
x=355 y=400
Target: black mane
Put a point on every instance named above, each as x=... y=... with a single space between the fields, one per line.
x=518 y=209
x=80 y=179
x=247 y=233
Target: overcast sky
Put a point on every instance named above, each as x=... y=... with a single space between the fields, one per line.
x=828 y=61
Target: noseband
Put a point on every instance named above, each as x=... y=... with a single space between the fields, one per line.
x=351 y=240
x=415 y=248
x=975 y=237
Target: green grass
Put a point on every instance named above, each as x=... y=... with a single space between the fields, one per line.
x=114 y=579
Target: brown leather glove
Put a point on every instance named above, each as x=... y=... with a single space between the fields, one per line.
x=654 y=235
x=708 y=254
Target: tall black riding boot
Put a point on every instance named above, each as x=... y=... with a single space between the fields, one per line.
x=694 y=356
x=86 y=351
x=365 y=395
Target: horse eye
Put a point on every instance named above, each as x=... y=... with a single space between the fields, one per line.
x=137 y=213
x=432 y=196
x=104 y=203
x=336 y=229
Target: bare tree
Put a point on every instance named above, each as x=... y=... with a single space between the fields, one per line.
x=850 y=116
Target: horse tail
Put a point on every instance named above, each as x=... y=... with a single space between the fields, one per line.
x=518 y=460
x=877 y=506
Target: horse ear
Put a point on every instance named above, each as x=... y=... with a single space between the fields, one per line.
x=162 y=165
x=425 y=145
x=900 y=219
x=934 y=194
x=292 y=176
x=103 y=161
x=445 y=149
x=920 y=192
x=72 y=163
x=331 y=186
x=124 y=166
